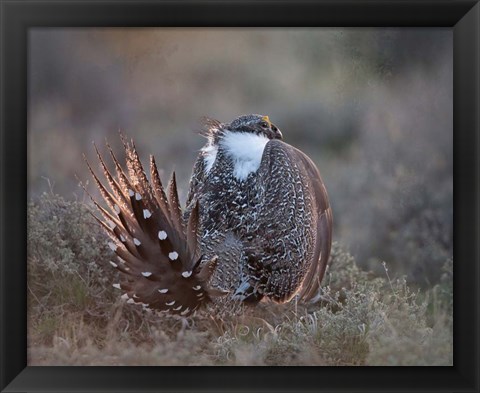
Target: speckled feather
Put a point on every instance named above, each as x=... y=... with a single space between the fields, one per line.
x=257 y=223
x=272 y=230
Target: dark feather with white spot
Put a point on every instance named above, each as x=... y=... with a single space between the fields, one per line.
x=157 y=256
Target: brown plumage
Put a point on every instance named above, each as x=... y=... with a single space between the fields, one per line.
x=157 y=256
x=257 y=223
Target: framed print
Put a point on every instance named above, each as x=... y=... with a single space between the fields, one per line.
x=322 y=207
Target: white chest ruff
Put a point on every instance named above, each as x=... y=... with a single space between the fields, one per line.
x=209 y=156
x=244 y=149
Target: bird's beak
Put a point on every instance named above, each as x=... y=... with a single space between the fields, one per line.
x=277 y=134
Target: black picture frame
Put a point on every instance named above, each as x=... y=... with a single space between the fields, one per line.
x=17 y=17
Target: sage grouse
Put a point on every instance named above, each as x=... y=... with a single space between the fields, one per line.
x=257 y=223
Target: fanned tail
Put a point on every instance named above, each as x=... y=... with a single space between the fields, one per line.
x=157 y=252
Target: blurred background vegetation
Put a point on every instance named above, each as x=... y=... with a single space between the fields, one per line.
x=372 y=108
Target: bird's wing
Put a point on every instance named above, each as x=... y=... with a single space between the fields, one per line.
x=324 y=227
x=298 y=211
x=157 y=251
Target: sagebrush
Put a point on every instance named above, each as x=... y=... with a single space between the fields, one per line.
x=75 y=317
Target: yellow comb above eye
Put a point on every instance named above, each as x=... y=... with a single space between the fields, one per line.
x=267 y=120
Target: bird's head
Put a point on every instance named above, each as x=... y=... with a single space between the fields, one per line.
x=253 y=124
x=256 y=124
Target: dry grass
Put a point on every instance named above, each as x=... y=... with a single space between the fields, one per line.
x=76 y=317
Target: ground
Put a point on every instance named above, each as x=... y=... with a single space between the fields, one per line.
x=76 y=317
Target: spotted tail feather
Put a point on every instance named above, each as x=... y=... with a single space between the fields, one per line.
x=157 y=253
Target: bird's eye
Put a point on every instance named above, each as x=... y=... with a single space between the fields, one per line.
x=264 y=124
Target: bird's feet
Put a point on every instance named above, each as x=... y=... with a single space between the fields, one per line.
x=248 y=293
